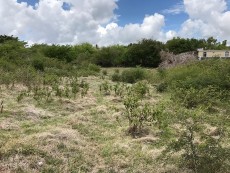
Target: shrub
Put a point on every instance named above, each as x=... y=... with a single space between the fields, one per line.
x=201 y=152
x=133 y=75
x=192 y=98
x=119 y=89
x=94 y=68
x=200 y=75
x=116 y=77
x=104 y=72
x=162 y=87
x=105 y=88
x=141 y=88
x=38 y=64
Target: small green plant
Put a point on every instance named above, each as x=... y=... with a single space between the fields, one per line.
x=119 y=89
x=139 y=114
x=94 y=68
x=162 y=87
x=21 y=96
x=116 y=77
x=105 y=88
x=75 y=90
x=200 y=152
x=67 y=91
x=58 y=90
x=116 y=71
x=141 y=88
x=104 y=72
x=74 y=86
x=1 y=107
x=85 y=89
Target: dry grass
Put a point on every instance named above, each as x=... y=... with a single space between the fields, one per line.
x=86 y=134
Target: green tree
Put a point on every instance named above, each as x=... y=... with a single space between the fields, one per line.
x=58 y=52
x=110 y=56
x=145 y=53
x=179 y=45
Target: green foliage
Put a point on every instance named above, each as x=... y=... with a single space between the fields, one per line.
x=192 y=98
x=84 y=88
x=87 y=69
x=141 y=89
x=119 y=89
x=104 y=72
x=58 y=52
x=179 y=45
x=116 y=76
x=200 y=75
x=133 y=75
x=105 y=88
x=5 y=38
x=201 y=152
x=131 y=103
x=38 y=64
x=145 y=53
x=141 y=114
x=93 y=68
x=110 y=56
x=83 y=54
x=162 y=87
x=75 y=87
x=21 y=95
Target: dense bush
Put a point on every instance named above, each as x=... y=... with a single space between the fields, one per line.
x=145 y=53
x=200 y=74
x=192 y=98
x=197 y=148
x=179 y=45
x=133 y=75
x=38 y=64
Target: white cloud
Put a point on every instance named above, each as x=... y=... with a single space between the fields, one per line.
x=48 y=22
x=94 y=21
x=151 y=27
x=176 y=9
x=206 y=18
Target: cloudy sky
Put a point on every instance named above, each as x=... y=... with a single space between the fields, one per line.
x=107 y=22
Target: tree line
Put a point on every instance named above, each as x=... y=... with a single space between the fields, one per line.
x=144 y=53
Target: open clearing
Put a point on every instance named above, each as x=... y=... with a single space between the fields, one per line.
x=86 y=134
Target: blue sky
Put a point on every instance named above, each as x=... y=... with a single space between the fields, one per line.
x=133 y=11
x=106 y=22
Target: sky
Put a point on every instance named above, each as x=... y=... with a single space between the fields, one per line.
x=109 y=22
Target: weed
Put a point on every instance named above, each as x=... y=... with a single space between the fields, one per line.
x=200 y=152
x=119 y=89
x=141 y=89
x=21 y=95
x=105 y=88
x=104 y=72
x=138 y=114
x=85 y=87
x=1 y=107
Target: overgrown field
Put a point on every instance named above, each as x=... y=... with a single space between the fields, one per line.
x=116 y=120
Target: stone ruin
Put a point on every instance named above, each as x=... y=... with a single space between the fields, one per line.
x=171 y=60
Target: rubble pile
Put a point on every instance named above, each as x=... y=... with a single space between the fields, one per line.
x=171 y=60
